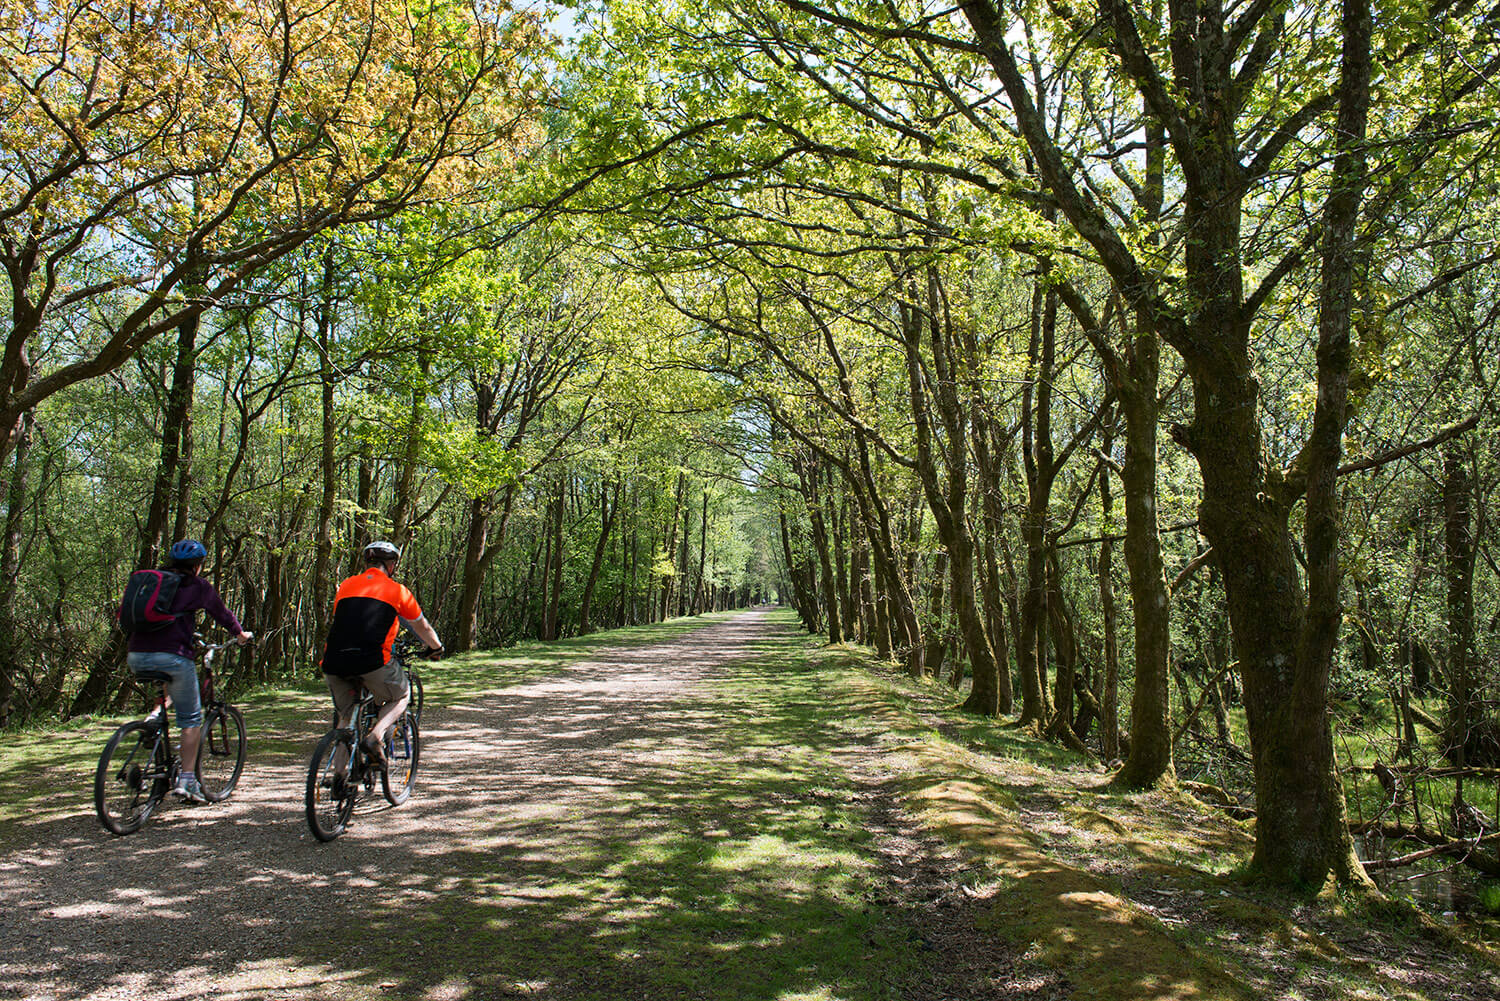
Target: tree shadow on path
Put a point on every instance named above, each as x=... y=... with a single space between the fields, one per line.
x=668 y=820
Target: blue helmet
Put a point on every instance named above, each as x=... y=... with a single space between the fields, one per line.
x=187 y=550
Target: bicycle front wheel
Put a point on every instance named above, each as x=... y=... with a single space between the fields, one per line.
x=132 y=777
x=414 y=680
x=330 y=787
x=402 y=748
x=221 y=755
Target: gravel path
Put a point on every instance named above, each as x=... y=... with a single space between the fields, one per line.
x=709 y=817
x=515 y=788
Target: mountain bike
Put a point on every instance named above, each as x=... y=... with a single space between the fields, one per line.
x=341 y=773
x=139 y=764
x=402 y=652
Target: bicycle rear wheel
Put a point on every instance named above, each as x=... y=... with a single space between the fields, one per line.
x=331 y=786
x=132 y=777
x=221 y=756
x=403 y=746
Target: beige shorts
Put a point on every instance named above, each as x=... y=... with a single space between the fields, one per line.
x=387 y=685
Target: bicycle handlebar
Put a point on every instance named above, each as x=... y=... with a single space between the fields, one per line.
x=199 y=646
x=407 y=644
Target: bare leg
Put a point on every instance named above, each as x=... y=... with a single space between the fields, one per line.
x=389 y=713
x=192 y=738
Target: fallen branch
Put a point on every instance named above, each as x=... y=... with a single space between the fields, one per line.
x=1430 y=773
x=1398 y=832
x=1405 y=860
x=1466 y=852
x=1421 y=717
x=1215 y=796
x=1193 y=566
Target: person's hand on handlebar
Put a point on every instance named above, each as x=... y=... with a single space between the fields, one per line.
x=244 y=637
x=433 y=653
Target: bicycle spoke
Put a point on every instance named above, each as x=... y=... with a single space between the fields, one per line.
x=332 y=785
x=221 y=756
x=132 y=777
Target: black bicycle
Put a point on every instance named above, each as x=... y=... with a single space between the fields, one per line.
x=139 y=764
x=341 y=773
x=402 y=652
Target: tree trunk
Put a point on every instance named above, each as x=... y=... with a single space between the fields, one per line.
x=1458 y=548
x=476 y=545
x=1037 y=456
x=991 y=587
x=937 y=632
x=323 y=571
x=1149 y=759
x=608 y=509
x=1109 y=710
x=1066 y=645
x=669 y=551
x=899 y=610
x=96 y=686
x=872 y=626
x=807 y=473
x=848 y=607
x=946 y=496
x=1300 y=832
x=553 y=615
x=801 y=598
x=545 y=623
x=700 y=589
x=10 y=565
x=365 y=497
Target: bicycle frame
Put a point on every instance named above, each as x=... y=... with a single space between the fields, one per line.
x=139 y=763
x=342 y=772
x=161 y=709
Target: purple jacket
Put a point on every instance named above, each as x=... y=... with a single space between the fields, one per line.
x=192 y=594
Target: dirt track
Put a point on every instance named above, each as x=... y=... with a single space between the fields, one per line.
x=524 y=797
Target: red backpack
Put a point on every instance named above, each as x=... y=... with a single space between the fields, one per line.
x=147 y=605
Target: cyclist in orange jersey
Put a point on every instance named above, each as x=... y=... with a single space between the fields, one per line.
x=368 y=611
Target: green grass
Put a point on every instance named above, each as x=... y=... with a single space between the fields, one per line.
x=1052 y=832
x=735 y=862
x=731 y=859
x=732 y=849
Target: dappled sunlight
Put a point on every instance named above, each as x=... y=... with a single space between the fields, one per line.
x=689 y=817
x=647 y=823
x=1124 y=894
x=1053 y=912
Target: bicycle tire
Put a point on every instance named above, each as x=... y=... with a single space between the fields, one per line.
x=415 y=681
x=403 y=749
x=330 y=797
x=132 y=778
x=221 y=755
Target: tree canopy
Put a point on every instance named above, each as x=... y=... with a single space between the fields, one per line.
x=1129 y=368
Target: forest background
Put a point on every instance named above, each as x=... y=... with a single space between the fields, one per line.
x=1129 y=367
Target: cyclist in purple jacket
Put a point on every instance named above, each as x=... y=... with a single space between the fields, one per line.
x=169 y=650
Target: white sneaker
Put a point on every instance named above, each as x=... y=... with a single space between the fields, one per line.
x=189 y=789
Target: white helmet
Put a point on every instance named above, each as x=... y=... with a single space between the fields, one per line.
x=380 y=550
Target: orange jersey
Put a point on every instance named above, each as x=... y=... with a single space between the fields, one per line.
x=367 y=612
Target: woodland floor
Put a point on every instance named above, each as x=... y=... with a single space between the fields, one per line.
x=716 y=808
